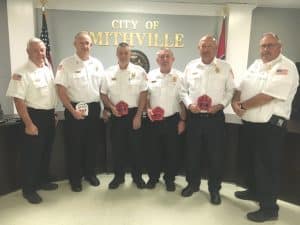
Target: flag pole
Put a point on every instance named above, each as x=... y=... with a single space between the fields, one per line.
x=44 y=33
x=43 y=3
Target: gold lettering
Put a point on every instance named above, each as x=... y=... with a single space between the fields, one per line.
x=115 y=24
x=140 y=38
x=167 y=44
x=179 y=40
x=127 y=39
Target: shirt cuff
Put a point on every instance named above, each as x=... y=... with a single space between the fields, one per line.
x=187 y=101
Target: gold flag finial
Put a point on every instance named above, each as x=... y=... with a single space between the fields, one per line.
x=43 y=3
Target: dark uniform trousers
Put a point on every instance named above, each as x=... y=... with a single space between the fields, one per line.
x=205 y=134
x=35 y=154
x=163 y=137
x=126 y=145
x=81 y=143
x=262 y=144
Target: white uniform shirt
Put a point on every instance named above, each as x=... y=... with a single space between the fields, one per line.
x=164 y=90
x=124 y=85
x=214 y=80
x=82 y=79
x=34 y=85
x=279 y=79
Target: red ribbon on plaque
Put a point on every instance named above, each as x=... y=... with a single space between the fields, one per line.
x=204 y=103
x=158 y=113
x=122 y=108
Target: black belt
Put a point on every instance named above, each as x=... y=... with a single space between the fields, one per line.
x=90 y=103
x=274 y=120
x=29 y=109
x=206 y=115
x=172 y=116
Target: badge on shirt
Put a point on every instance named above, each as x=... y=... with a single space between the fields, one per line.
x=113 y=78
x=17 y=77
x=83 y=108
x=282 y=71
x=174 y=79
x=132 y=76
x=204 y=103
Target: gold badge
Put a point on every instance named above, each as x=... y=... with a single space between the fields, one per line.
x=174 y=78
x=217 y=69
x=113 y=78
x=132 y=76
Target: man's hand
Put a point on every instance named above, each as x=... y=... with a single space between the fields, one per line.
x=236 y=106
x=180 y=127
x=150 y=114
x=106 y=115
x=32 y=130
x=137 y=122
x=115 y=111
x=55 y=120
x=77 y=115
x=215 y=108
x=194 y=108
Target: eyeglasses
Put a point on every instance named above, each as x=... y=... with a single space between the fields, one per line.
x=269 y=46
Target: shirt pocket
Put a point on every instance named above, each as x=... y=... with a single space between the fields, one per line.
x=113 y=87
x=155 y=90
x=217 y=82
x=79 y=79
x=194 y=84
x=41 y=86
x=134 y=87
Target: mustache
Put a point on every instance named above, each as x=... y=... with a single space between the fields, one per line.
x=266 y=53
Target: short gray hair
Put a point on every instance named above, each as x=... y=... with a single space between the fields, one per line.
x=275 y=36
x=165 y=49
x=32 y=41
x=82 y=33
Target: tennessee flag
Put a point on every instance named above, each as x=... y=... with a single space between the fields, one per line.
x=222 y=42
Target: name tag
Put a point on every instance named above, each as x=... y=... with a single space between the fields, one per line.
x=83 y=108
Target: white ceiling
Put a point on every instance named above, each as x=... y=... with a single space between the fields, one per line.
x=259 y=3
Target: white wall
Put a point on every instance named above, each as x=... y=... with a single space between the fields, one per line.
x=20 y=15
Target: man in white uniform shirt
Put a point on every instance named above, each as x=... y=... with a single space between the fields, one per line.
x=78 y=81
x=124 y=93
x=32 y=87
x=207 y=88
x=164 y=86
x=263 y=101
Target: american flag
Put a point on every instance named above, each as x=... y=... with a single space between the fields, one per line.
x=45 y=38
x=222 y=42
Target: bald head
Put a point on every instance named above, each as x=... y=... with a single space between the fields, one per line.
x=270 y=47
x=208 y=48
